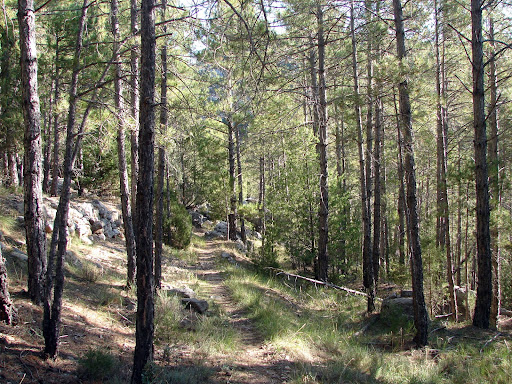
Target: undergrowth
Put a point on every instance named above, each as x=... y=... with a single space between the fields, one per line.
x=319 y=328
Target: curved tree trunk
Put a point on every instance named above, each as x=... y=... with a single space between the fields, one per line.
x=33 y=193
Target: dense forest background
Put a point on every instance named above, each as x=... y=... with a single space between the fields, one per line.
x=282 y=118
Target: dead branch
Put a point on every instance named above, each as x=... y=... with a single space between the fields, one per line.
x=280 y=272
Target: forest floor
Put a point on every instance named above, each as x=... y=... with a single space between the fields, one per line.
x=258 y=329
x=98 y=320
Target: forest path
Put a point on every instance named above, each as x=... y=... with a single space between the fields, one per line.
x=256 y=361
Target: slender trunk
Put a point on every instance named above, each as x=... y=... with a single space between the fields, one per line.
x=7 y=310
x=401 y=190
x=56 y=131
x=458 y=250
x=323 y=211
x=126 y=207
x=377 y=217
x=33 y=193
x=134 y=100
x=159 y=222
x=368 y=280
x=58 y=246
x=483 y=237
x=240 y=181
x=494 y=180
x=232 y=181
x=47 y=149
x=144 y=206
x=420 y=311
x=443 y=240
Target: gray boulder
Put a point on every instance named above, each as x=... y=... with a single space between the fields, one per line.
x=397 y=312
x=197 y=218
x=184 y=292
x=200 y=306
x=221 y=227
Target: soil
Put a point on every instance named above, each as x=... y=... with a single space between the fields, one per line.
x=100 y=315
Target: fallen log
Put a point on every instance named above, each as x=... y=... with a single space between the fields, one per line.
x=280 y=272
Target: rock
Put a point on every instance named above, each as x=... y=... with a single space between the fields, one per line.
x=240 y=246
x=48 y=227
x=200 y=306
x=397 y=312
x=19 y=255
x=184 y=292
x=221 y=227
x=197 y=218
x=250 y=246
x=99 y=236
x=83 y=229
x=228 y=257
x=72 y=259
x=405 y=293
x=97 y=227
x=461 y=295
x=211 y=235
x=20 y=220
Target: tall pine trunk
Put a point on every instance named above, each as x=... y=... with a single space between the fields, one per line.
x=420 y=311
x=33 y=193
x=144 y=206
x=159 y=222
x=134 y=99
x=323 y=210
x=7 y=310
x=494 y=190
x=483 y=237
x=126 y=207
x=58 y=245
x=368 y=280
x=232 y=180
x=56 y=130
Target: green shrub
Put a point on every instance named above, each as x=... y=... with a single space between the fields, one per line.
x=98 y=364
x=178 y=226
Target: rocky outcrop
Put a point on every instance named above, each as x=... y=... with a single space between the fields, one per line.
x=87 y=220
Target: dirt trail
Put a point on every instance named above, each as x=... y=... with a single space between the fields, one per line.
x=259 y=363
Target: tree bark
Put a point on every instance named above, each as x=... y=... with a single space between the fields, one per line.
x=33 y=173
x=483 y=238
x=126 y=207
x=144 y=206
x=323 y=210
x=443 y=240
x=232 y=179
x=52 y=310
x=494 y=189
x=401 y=190
x=159 y=222
x=56 y=130
x=134 y=100
x=7 y=310
x=420 y=311
x=368 y=280
x=240 y=181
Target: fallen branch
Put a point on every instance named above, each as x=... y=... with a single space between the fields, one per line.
x=280 y=272
x=490 y=341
